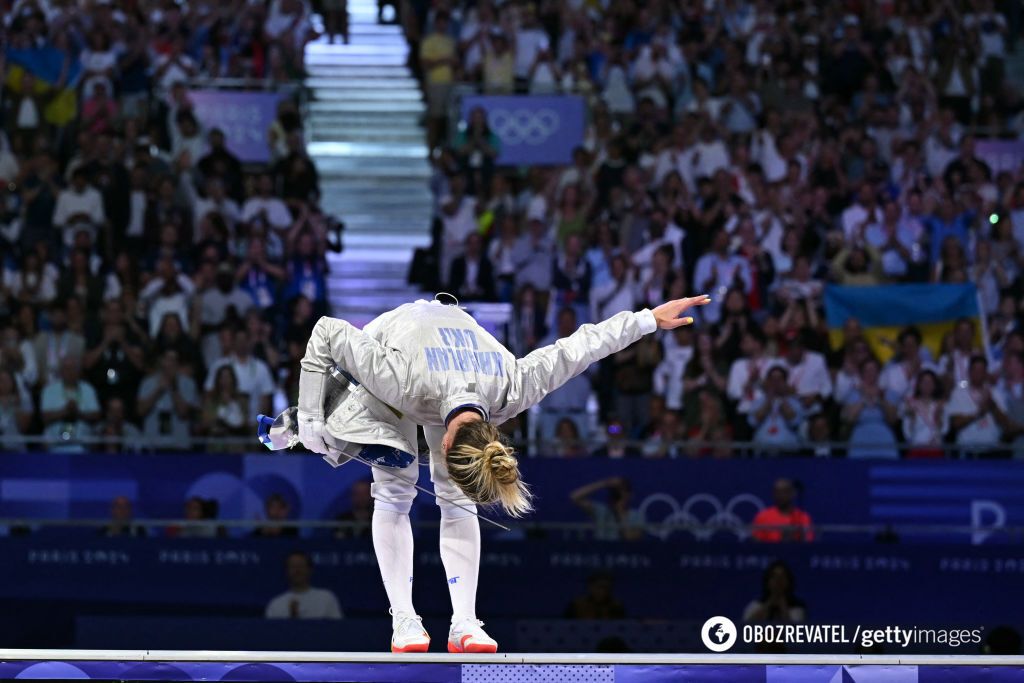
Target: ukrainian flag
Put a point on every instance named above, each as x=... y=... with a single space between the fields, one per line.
x=885 y=310
x=46 y=64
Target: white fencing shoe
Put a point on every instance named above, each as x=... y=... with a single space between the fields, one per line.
x=408 y=634
x=468 y=635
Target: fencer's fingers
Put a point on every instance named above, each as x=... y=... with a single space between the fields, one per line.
x=679 y=322
x=697 y=300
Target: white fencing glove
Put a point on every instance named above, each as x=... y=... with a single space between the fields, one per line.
x=311 y=411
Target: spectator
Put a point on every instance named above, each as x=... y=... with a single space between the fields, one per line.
x=472 y=274
x=264 y=206
x=439 y=63
x=567 y=442
x=808 y=376
x=167 y=399
x=254 y=378
x=745 y=374
x=598 y=602
x=69 y=408
x=778 y=601
x=477 y=148
x=775 y=414
x=783 y=521
x=197 y=513
x=904 y=369
x=302 y=600
x=79 y=208
x=572 y=278
x=225 y=408
x=615 y=520
x=618 y=294
x=15 y=412
x=925 y=421
x=870 y=414
x=955 y=363
x=708 y=427
x=121 y=517
x=277 y=510
x=56 y=344
x=616 y=445
x=359 y=515
x=534 y=254
x=717 y=272
x=977 y=409
x=117 y=434
x=705 y=370
x=115 y=359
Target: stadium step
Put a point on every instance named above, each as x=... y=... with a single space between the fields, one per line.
x=368 y=144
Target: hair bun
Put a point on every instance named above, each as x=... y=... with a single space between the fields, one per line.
x=502 y=464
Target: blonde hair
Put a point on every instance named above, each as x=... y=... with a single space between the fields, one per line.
x=486 y=469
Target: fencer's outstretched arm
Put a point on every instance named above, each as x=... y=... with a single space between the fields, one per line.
x=334 y=342
x=546 y=369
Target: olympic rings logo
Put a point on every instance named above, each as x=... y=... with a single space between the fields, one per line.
x=524 y=126
x=719 y=517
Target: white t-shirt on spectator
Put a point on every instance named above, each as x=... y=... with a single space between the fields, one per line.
x=982 y=432
x=668 y=375
x=810 y=376
x=673 y=235
x=709 y=157
x=853 y=216
x=253 y=376
x=739 y=375
x=175 y=72
x=896 y=379
x=725 y=271
x=277 y=211
x=920 y=428
x=529 y=41
x=679 y=160
x=992 y=42
x=69 y=202
x=313 y=603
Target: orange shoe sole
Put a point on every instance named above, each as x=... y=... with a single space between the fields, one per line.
x=471 y=648
x=415 y=647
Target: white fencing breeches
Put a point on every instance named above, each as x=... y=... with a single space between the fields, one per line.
x=394 y=490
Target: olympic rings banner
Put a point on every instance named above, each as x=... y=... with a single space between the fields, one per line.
x=981 y=497
x=533 y=129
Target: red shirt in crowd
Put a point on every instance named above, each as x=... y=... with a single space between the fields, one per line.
x=774 y=517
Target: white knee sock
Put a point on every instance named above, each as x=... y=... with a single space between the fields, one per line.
x=460 y=553
x=392 y=542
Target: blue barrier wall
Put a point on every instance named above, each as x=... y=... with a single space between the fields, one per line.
x=840 y=583
x=967 y=493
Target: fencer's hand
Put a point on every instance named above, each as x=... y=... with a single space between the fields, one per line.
x=667 y=314
x=311 y=434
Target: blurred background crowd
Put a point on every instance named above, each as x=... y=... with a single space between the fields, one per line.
x=754 y=151
x=156 y=290
x=153 y=285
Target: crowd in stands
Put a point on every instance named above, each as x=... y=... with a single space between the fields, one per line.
x=154 y=287
x=754 y=151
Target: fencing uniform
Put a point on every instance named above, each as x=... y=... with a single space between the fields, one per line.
x=419 y=364
x=423 y=361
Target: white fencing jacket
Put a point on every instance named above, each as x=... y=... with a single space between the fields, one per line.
x=423 y=361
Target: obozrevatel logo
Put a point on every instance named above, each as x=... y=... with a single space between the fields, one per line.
x=718 y=634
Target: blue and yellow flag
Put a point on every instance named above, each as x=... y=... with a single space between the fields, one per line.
x=46 y=64
x=885 y=310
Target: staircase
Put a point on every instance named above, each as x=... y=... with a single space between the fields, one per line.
x=370 y=150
